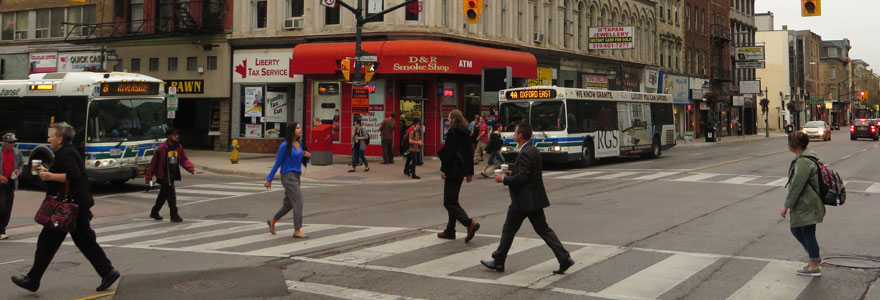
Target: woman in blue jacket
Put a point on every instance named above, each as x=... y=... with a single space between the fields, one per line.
x=292 y=156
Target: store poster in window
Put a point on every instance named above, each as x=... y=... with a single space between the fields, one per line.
x=253 y=101
x=276 y=112
x=253 y=130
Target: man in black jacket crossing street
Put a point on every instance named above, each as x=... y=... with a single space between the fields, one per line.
x=528 y=200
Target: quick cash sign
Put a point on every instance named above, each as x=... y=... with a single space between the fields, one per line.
x=611 y=38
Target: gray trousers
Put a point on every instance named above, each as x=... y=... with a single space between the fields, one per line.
x=293 y=199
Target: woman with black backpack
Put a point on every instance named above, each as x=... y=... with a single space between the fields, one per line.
x=807 y=208
x=494 y=149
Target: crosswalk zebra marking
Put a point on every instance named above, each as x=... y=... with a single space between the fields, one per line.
x=579 y=175
x=230 y=187
x=616 y=175
x=208 y=192
x=739 y=179
x=778 y=278
x=778 y=182
x=874 y=188
x=463 y=260
x=553 y=173
x=153 y=195
x=155 y=231
x=654 y=281
x=536 y=276
x=198 y=235
x=382 y=251
x=250 y=239
x=656 y=175
x=321 y=242
x=697 y=177
x=340 y=292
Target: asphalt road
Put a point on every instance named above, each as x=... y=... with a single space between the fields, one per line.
x=698 y=223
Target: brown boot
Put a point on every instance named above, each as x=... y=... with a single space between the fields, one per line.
x=271 y=223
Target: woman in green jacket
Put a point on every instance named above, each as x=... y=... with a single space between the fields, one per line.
x=803 y=200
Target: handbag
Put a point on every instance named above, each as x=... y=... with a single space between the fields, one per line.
x=58 y=215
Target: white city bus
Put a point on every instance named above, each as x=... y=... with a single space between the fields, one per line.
x=119 y=119
x=582 y=125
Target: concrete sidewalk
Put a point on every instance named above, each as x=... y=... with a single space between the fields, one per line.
x=701 y=142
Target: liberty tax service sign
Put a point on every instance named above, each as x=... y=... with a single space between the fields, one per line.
x=262 y=65
x=611 y=38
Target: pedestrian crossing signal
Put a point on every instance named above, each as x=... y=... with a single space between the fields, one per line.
x=370 y=70
x=863 y=95
x=811 y=8
x=344 y=72
x=473 y=10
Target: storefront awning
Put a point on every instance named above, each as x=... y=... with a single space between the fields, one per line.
x=423 y=57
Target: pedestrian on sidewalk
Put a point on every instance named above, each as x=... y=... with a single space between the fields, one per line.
x=415 y=145
x=528 y=200
x=11 y=162
x=68 y=170
x=494 y=150
x=482 y=139
x=358 y=146
x=807 y=208
x=387 y=128
x=292 y=156
x=456 y=165
x=420 y=159
x=166 y=163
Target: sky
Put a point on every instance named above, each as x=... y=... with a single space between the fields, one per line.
x=857 y=20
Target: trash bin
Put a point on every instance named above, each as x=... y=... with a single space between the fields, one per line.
x=710 y=135
x=320 y=144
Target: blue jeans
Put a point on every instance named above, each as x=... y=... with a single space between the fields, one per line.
x=356 y=154
x=806 y=235
x=496 y=158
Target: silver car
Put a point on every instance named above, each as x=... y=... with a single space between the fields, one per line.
x=818 y=130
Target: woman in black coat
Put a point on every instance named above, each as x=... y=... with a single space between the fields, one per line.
x=68 y=167
x=457 y=163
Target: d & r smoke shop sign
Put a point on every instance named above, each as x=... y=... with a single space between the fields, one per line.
x=260 y=66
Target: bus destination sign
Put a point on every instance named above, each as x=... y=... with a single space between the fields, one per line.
x=531 y=94
x=129 y=88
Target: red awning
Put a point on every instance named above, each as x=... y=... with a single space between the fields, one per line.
x=426 y=57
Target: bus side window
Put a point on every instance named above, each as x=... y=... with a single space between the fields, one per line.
x=9 y=114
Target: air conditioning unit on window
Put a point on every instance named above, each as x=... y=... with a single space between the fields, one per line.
x=539 y=37
x=294 y=23
x=85 y=30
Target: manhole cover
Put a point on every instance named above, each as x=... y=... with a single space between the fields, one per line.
x=227 y=216
x=54 y=266
x=853 y=262
x=201 y=286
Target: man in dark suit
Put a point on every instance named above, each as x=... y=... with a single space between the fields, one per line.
x=528 y=200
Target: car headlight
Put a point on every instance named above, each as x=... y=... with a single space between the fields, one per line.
x=505 y=149
x=804 y=130
x=556 y=148
x=821 y=131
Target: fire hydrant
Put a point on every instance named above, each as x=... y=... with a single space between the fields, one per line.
x=234 y=147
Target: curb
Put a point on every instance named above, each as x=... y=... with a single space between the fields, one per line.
x=727 y=140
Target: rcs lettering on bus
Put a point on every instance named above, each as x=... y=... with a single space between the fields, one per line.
x=129 y=88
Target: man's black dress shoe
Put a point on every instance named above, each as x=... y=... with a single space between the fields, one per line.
x=564 y=266
x=493 y=265
x=156 y=216
x=108 y=280
x=24 y=282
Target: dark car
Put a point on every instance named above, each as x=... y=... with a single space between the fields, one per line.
x=864 y=128
x=817 y=130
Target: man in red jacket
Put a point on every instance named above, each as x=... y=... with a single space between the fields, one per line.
x=166 y=163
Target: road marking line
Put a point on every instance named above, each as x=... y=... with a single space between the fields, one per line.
x=312 y=243
x=578 y=175
x=734 y=149
x=656 y=175
x=363 y=256
x=246 y=183
x=224 y=186
x=696 y=154
x=340 y=292
x=98 y=296
x=251 y=239
x=153 y=195
x=740 y=179
x=845 y=157
x=616 y=175
x=738 y=160
x=463 y=260
x=874 y=188
x=554 y=173
x=697 y=177
x=537 y=276
x=12 y=262
x=105 y=229
x=142 y=233
x=776 y=281
x=207 y=192
x=654 y=281
x=778 y=182
x=198 y=235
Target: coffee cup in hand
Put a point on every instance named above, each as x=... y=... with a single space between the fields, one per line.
x=36 y=166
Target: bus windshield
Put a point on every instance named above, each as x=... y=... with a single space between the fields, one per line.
x=116 y=120
x=514 y=113
x=548 y=116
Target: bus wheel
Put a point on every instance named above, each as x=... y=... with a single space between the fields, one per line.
x=588 y=158
x=655 y=148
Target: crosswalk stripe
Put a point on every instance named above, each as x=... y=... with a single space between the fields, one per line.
x=777 y=280
x=363 y=256
x=251 y=239
x=656 y=175
x=463 y=260
x=230 y=187
x=697 y=177
x=740 y=179
x=312 y=243
x=874 y=188
x=208 y=192
x=778 y=182
x=536 y=276
x=198 y=235
x=579 y=175
x=340 y=292
x=105 y=229
x=553 y=173
x=246 y=183
x=166 y=229
x=654 y=281
x=154 y=195
x=616 y=175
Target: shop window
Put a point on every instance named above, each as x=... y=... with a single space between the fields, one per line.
x=212 y=63
x=265 y=111
x=327 y=106
x=172 y=64
x=192 y=63
x=154 y=64
x=135 y=64
x=260 y=14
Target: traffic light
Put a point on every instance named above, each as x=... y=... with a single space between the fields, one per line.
x=344 y=71
x=863 y=95
x=369 y=69
x=473 y=9
x=811 y=8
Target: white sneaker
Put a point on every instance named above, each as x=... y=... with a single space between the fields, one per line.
x=4 y=237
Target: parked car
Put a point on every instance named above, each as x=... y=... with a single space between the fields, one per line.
x=818 y=130
x=864 y=128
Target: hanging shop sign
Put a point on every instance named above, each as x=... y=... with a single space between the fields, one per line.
x=611 y=38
